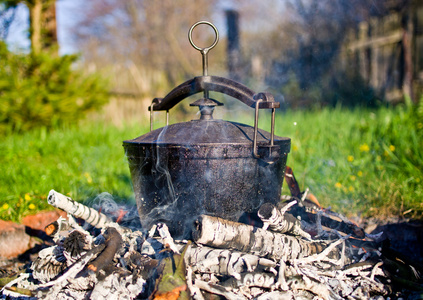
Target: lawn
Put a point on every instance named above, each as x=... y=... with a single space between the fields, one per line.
x=359 y=162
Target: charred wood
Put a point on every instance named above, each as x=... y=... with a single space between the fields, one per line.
x=112 y=245
x=50 y=263
x=293 y=186
x=55 y=227
x=76 y=245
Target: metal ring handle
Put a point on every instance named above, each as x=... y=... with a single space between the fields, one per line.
x=206 y=48
x=204 y=51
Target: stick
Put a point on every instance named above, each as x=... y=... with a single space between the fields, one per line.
x=78 y=210
x=164 y=233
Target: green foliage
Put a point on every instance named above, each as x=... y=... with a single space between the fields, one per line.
x=44 y=91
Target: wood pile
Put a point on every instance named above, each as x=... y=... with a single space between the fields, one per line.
x=298 y=251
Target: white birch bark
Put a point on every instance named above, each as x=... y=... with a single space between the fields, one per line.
x=220 y=233
x=78 y=210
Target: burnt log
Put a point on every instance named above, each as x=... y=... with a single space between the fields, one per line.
x=113 y=243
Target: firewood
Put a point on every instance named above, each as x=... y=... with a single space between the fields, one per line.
x=49 y=263
x=78 y=210
x=249 y=279
x=218 y=290
x=293 y=186
x=113 y=243
x=75 y=245
x=55 y=227
x=72 y=271
x=164 y=233
x=220 y=233
x=279 y=221
x=224 y=262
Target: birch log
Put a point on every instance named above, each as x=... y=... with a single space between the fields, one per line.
x=78 y=210
x=280 y=221
x=219 y=233
x=224 y=262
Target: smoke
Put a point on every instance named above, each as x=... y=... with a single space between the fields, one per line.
x=121 y=212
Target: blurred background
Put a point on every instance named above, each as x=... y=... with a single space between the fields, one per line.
x=73 y=68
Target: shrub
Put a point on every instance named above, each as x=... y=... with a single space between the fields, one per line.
x=44 y=91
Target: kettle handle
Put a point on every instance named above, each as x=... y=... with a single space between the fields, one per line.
x=216 y=84
x=222 y=85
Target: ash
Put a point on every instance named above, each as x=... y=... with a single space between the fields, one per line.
x=296 y=250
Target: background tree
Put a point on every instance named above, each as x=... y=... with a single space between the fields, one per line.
x=42 y=23
x=40 y=89
x=145 y=40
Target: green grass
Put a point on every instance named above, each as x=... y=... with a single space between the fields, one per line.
x=80 y=162
x=359 y=162
x=356 y=161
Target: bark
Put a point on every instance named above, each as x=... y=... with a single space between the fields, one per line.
x=78 y=210
x=224 y=262
x=220 y=233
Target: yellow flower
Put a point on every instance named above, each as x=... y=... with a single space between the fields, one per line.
x=294 y=148
x=5 y=206
x=359 y=173
x=392 y=148
x=338 y=185
x=351 y=189
x=27 y=197
x=364 y=148
x=352 y=177
x=88 y=176
x=31 y=206
x=350 y=158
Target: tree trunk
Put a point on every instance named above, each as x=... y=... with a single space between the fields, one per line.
x=42 y=25
x=35 y=11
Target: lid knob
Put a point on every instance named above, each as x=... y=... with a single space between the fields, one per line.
x=206 y=106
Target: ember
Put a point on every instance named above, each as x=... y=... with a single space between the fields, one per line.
x=302 y=252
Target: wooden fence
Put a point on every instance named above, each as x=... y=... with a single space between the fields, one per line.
x=388 y=53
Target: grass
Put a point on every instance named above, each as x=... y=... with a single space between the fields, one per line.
x=356 y=161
